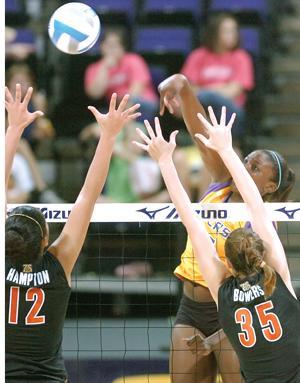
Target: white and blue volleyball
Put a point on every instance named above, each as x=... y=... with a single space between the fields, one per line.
x=74 y=28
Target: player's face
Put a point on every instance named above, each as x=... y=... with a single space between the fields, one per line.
x=228 y=34
x=261 y=169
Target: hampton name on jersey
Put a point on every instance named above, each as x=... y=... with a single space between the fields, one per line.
x=217 y=230
x=36 y=300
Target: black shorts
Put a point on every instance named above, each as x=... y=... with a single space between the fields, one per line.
x=202 y=316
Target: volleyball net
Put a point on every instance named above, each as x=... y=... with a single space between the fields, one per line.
x=124 y=295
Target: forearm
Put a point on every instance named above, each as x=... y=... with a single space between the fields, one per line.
x=97 y=173
x=98 y=86
x=12 y=139
x=178 y=195
x=190 y=107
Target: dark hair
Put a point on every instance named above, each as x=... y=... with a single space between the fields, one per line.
x=284 y=177
x=211 y=32
x=119 y=32
x=25 y=227
x=245 y=250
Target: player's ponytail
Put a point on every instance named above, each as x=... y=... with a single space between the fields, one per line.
x=269 y=279
x=245 y=250
x=25 y=228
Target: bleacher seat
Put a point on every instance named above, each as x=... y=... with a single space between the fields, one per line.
x=158 y=74
x=193 y=8
x=125 y=8
x=15 y=13
x=25 y=36
x=13 y=6
x=250 y=40
x=241 y=6
x=163 y=40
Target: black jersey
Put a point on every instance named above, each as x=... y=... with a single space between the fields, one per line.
x=36 y=301
x=265 y=332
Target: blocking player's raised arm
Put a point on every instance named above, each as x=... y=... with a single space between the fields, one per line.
x=68 y=245
x=176 y=91
x=220 y=140
x=18 y=118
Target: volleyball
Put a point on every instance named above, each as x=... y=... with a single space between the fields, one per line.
x=74 y=28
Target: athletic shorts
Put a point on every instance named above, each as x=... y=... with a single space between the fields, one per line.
x=202 y=316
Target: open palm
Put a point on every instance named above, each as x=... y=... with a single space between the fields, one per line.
x=18 y=114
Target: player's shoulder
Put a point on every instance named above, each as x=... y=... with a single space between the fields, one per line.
x=217 y=188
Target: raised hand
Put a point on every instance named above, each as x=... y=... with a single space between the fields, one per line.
x=112 y=122
x=17 y=110
x=169 y=91
x=219 y=133
x=157 y=147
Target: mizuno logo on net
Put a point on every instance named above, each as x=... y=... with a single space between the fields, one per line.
x=169 y=212
x=55 y=214
x=290 y=213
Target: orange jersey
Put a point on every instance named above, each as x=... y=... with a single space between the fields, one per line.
x=217 y=230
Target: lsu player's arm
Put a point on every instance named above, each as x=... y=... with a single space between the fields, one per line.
x=18 y=118
x=213 y=270
x=68 y=245
x=220 y=140
x=177 y=88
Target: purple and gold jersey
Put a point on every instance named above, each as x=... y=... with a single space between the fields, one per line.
x=217 y=230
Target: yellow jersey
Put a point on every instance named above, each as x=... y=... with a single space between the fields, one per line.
x=217 y=230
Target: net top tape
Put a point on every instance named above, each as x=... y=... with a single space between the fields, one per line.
x=166 y=212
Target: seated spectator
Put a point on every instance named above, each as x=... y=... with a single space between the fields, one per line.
x=220 y=71
x=21 y=184
x=121 y=72
x=42 y=128
x=132 y=176
x=26 y=183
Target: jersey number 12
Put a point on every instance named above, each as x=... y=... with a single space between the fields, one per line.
x=34 y=294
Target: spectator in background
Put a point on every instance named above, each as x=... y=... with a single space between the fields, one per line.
x=134 y=177
x=42 y=128
x=121 y=72
x=26 y=183
x=220 y=71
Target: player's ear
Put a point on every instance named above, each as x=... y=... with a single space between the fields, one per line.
x=270 y=187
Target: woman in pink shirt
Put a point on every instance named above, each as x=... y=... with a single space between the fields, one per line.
x=121 y=72
x=220 y=71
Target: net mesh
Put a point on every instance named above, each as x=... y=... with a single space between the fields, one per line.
x=124 y=295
